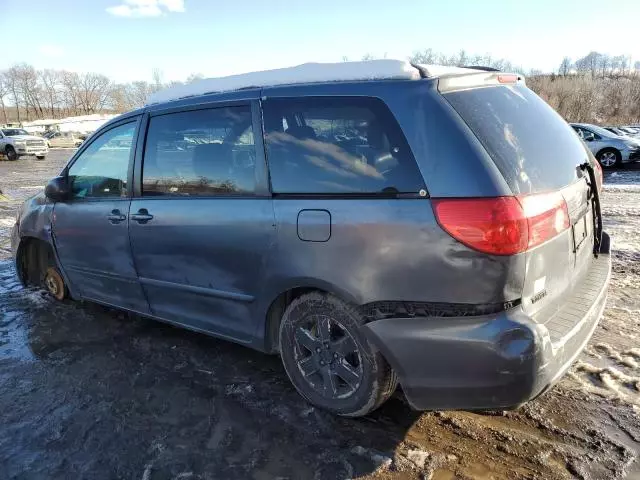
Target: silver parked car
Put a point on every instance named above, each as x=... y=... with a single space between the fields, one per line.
x=610 y=149
x=630 y=130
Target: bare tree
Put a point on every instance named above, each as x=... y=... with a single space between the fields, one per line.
x=589 y=64
x=27 y=79
x=70 y=91
x=463 y=59
x=4 y=91
x=565 y=67
x=603 y=63
x=427 y=56
x=50 y=81
x=11 y=78
x=93 y=92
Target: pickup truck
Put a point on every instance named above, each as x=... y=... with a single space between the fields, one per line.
x=15 y=142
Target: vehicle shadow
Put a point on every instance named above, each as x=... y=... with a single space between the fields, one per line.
x=124 y=394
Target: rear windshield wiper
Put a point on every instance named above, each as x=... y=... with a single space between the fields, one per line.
x=594 y=196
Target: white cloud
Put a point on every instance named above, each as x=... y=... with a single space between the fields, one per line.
x=146 y=8
x=51 y=50
x=173 y=5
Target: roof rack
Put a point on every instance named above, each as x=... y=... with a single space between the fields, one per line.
x=480 y=67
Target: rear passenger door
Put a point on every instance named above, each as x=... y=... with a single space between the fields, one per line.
x=202 y=220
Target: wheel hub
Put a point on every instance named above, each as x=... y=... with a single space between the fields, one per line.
x=328 y=358
x=52 y=285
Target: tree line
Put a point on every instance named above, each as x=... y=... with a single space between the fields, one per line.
x=595 y=88
x=29 y=94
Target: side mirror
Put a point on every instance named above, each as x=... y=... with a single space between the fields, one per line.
x=58 y=189
x=589 y=137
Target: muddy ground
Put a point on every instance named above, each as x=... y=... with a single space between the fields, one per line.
x=87 y=392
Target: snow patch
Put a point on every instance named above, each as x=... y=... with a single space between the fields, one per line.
x=621 y=188
x=7 y=222
x=305 y=73
x=616 y=384
x=80 y=123
x=381 y=461
x=626 y=360
x=418 y=457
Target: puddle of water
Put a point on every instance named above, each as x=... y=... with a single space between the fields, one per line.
x=443 y=474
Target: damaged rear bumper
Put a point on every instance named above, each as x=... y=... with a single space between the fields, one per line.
x=493 y=361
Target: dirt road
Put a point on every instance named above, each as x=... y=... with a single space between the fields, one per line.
x=88 y=392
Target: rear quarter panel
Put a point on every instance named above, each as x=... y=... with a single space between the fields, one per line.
x=386 y=250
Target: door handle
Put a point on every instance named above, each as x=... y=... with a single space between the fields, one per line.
x=116 y=216
x=142 y=216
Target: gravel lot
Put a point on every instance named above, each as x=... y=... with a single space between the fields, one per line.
x=89 y=392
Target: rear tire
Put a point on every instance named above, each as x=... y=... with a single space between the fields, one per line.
x=609 y=158
x=40 y=157
x=329 y=360
x=11 y=154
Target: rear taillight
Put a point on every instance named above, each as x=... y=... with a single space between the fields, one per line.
x=503 y=225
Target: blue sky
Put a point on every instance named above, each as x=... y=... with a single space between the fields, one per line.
x=127 y=39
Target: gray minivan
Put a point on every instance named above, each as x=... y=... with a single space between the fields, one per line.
x=372 y=223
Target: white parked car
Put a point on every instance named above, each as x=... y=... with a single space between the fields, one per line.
x=15 y=142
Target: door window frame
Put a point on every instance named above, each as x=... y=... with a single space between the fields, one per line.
x=344 y=195
x=261 y=176
x=87 y=143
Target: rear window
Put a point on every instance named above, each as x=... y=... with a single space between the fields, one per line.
x=532 y=146
x=337 y=145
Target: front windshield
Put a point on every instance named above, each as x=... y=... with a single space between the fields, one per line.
x=12 y=132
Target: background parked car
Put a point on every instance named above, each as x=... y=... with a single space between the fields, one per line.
x=610 y=149
x=629 y=130
x=617 y=131
x=16 y=142
x=65 y=140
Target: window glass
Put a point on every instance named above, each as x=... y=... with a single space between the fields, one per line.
x=200 y=153
x=516 y=127
x=101 y=170
x=337 y=145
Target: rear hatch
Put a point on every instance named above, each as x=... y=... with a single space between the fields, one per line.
x=540 y=158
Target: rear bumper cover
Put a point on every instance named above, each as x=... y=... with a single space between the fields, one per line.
x=492 y=361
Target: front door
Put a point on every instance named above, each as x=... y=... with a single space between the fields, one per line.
x=91 y=230
x=202 y=224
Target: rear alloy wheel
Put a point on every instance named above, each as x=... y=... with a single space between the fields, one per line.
x=10 y=153
x=609 y=158
x=329 y=360
x=54 y=283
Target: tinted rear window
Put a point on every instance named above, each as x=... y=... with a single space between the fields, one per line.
x=530 y=143
x=337 y=145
